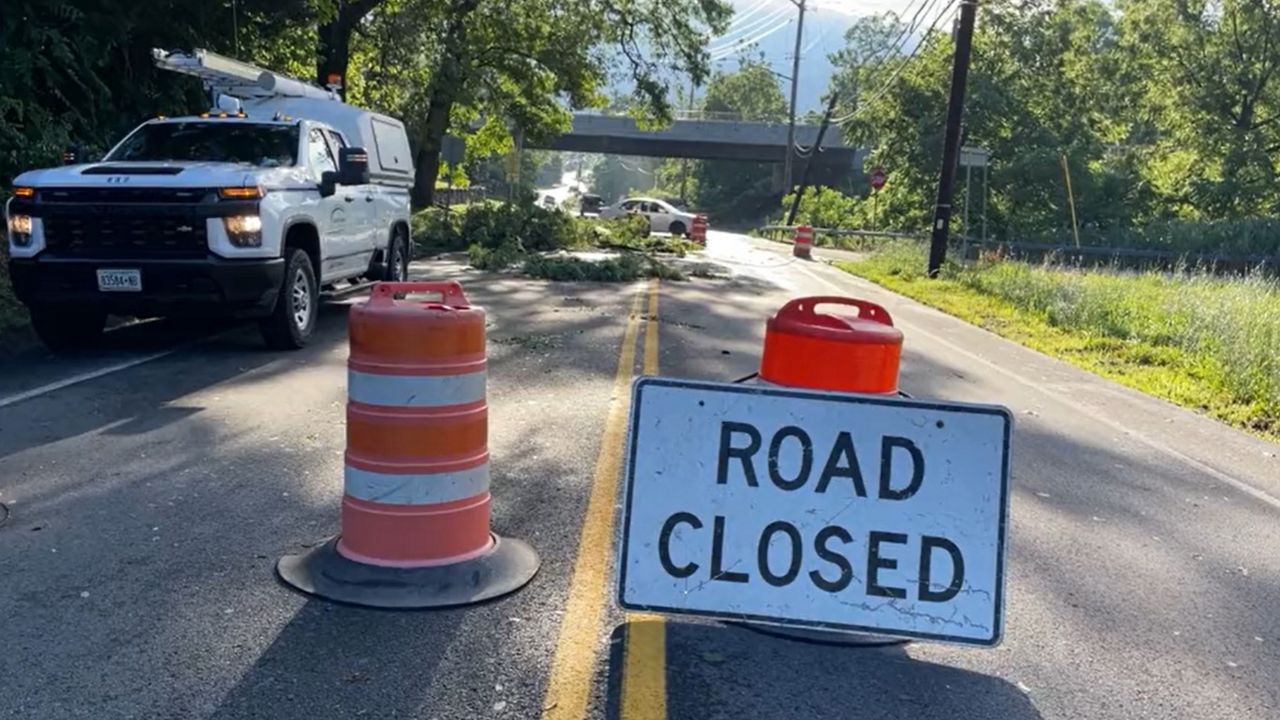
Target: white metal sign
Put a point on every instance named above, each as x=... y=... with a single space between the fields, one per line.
x=974 y=157
x=819 y=510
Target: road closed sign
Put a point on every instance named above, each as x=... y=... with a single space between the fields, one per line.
x=817 y=510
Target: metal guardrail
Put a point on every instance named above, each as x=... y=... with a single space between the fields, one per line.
x=1122 y=253
x=971 y=247
x=837 y=232
x=445 y=197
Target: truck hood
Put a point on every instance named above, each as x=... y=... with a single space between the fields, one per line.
x=149 y=174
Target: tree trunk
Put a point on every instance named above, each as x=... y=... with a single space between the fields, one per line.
x=442 y=94
x=333 y=52
x=333 y=41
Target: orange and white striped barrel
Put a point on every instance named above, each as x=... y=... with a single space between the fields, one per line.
x=803 y=246
x=699 y=231
x=416 y=488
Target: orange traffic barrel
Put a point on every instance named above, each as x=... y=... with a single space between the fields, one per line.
x=699 y=231
x=849 y=352
x=802 y=247
x=415 y=507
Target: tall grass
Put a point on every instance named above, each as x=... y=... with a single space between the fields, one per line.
x=1227 y=329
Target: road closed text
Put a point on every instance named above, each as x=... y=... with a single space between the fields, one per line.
x=821 y=510
x=840 y=555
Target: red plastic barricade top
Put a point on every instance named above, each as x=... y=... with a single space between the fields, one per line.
x=809 y=349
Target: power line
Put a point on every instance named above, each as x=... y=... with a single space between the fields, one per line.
x=906 y=60
x=738 y=19
x=734 y=38
x=747 y=42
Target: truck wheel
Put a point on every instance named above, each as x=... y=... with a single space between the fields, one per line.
x=66 y=329
x=396 y=267
x=293 y=320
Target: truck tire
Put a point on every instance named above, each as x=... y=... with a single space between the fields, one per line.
x=395 y=267
x=64 y=329
x=292 y=322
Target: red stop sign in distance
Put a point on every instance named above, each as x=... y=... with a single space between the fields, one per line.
x=878 y=178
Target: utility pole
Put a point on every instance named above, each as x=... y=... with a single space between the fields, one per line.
x=813 y=156
x=951 y=146
x=795 y=81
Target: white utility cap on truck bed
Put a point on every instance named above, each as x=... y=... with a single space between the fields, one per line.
x=267 y=95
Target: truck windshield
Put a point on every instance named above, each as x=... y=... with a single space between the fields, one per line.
x=232 y=141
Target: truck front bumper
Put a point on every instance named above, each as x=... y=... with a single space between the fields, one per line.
x=201 y=287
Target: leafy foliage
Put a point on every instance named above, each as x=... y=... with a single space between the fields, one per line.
x=1204 y=341
x=1165 y=112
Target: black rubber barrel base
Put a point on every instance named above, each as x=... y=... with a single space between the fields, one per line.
x=325 y=573
x=823 y=637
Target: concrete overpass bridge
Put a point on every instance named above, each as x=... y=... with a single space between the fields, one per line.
x=705 y=137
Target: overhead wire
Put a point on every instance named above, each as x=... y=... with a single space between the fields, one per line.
x=740 y=18
x=906 y=60
x=748 y=42
x=731 y=41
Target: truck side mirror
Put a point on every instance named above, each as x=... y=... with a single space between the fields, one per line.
x=353 y=166
x=328 y=183
x=70 y=155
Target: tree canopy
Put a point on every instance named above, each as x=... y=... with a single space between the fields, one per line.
x=1163 y=109
x=80 y=69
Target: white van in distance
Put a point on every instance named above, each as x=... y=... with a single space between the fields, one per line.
x=247 y=210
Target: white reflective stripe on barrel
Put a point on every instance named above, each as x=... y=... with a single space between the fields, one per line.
x=416 y=489
x=415 y=390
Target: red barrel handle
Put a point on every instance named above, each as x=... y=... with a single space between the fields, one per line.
x=807 y=307
x=450 y=291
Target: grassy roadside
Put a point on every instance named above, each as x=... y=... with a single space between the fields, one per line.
x=1205 y=343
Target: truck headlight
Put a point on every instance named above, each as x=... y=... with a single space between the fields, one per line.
x=20 y=230
x=244 y=230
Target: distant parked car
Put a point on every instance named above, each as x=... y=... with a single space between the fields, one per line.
x=662 y=216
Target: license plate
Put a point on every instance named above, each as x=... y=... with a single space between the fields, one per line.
x=120 y=280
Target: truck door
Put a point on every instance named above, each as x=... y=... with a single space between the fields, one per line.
x=364 y=213
x=336 y=216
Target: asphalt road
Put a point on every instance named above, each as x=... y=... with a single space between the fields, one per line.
x=153 y=486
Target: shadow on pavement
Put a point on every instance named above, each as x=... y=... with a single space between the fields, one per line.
x=717 y=672
x=336 y=662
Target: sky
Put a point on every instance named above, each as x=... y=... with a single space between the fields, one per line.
x=770 y=24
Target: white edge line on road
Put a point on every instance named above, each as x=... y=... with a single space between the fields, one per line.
x=94 y=374
x=85 y=376
x=1156 y=445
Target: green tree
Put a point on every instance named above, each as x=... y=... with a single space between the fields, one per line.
x=80 y=71
x=1205 y=75
x=524 y=63
x=751 y=92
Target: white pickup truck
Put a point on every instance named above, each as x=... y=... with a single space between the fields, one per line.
x=247 y=210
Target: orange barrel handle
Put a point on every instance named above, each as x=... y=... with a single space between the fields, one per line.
x=450 y=291
x=810 y=349
x=806 y=308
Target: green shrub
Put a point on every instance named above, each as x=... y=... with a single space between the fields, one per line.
x=499 y=258
x=435 y=230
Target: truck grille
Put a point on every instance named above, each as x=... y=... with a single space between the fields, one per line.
x=125 y=195
x=124 y=223
x=126 y=237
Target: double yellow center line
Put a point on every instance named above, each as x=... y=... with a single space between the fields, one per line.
x=573 y=669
